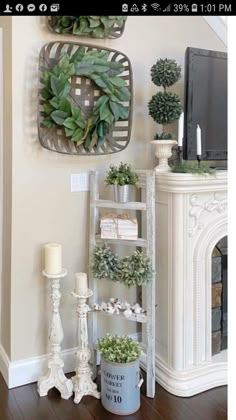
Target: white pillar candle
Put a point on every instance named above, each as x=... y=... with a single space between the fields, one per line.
x=81 y=284
x=53 y=258
x=181 y=130
x=199 y=141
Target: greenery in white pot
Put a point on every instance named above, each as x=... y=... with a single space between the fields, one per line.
x=165 y=107
x=121 y=175
x=118 y=349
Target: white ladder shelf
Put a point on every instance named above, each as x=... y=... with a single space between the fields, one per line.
x=148 y=244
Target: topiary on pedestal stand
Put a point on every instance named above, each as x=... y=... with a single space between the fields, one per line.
x=165 y=108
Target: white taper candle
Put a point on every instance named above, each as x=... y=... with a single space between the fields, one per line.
x=181 y=130
x=81 y=284
x=199 y=141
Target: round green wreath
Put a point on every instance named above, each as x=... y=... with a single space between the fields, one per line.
x=59 y=109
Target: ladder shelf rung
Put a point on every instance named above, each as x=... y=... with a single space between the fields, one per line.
x=135 y=318
x=132 y=205
x=137 y=242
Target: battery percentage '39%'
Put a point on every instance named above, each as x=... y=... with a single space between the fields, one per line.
x=181 y=8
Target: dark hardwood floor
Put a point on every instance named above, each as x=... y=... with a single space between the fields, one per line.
x=23 y=403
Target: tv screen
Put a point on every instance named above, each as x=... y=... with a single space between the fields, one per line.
x=205 y=103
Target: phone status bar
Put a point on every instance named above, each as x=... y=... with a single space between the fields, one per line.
x=144 y=8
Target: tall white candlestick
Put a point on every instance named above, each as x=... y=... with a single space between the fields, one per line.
x=55 y=376
x=199 y=141
x=53 y=259
x=181 y=130
x=81 y=284
x=82 y=381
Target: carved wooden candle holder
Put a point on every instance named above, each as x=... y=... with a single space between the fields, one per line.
x=82 y=381
x=55 y=376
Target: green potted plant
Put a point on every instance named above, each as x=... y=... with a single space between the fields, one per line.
x=120 y=383
x=165 y=108
x=123 y=178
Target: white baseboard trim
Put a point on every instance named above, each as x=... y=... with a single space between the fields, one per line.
x=189 y=383
x=4 y=364
x=25 y=371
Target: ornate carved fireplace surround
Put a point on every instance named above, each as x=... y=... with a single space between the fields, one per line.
x=191 y=219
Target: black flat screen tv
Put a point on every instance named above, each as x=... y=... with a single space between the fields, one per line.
x=205 y=103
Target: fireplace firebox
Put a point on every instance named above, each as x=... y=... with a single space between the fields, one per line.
x=219 y=297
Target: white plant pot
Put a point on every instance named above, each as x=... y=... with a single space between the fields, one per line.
x=163 y=153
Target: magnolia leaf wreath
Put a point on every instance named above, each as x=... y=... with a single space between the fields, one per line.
x=60 y=110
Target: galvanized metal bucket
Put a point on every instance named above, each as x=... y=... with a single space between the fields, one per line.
x=122 y=193
x=120 y=387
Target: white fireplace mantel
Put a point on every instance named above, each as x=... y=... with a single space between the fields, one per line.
x=191 y=217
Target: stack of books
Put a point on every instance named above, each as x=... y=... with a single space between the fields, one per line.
x=119 y=226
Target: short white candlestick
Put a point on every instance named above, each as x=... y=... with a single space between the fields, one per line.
x=55 y=376
x=82 y=381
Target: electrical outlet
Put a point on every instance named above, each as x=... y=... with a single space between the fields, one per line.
x=79 y=182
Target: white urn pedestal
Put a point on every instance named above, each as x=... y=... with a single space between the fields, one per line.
x=163 y=153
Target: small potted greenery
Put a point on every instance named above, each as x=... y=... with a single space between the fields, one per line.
x=123 y=179
x=120 y=384
x=165 y=108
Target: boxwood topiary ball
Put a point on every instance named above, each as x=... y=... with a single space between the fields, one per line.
x=165 y=72
x=165 y=107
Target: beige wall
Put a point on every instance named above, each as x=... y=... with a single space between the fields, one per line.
x=6 y=172
x=43 y=209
